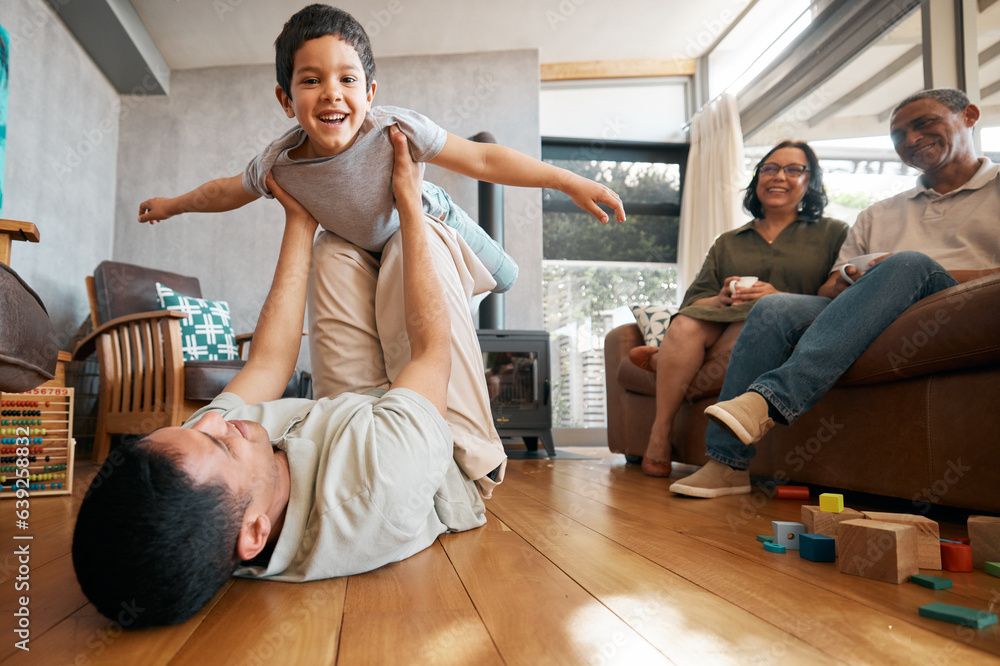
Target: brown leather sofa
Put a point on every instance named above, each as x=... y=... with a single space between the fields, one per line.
x=916 y=417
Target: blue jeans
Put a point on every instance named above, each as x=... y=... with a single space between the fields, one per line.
x=501 y=265
x=794 y=347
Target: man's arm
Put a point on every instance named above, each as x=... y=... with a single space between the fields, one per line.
x=275 y=346
x=215 y=196
x=428 y=325
x=506 y=166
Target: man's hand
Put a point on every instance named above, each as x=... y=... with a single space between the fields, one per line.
x=428 y=322
x=276 y=340
x=157 y=209
x=406 y=178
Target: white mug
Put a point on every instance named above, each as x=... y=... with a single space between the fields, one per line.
x=744 y=282
x=861 y=264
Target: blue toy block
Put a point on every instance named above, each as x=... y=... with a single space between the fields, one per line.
x=818 y=548
x=787 y=534
x=933 y=582
x=967 y=617
x=773 y=547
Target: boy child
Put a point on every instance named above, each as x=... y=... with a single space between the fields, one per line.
x=338 y=161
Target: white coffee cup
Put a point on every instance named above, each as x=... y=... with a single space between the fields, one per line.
x=744 y=282
x=861 y=264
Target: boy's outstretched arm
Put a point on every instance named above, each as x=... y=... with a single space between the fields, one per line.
x=428 y=324
x=506 y=166
x=215 y=196
x=275 y=346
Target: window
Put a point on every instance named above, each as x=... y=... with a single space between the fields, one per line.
x=594 y=273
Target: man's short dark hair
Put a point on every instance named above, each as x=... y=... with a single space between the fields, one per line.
x=954 y=99
x=815 y=199
x=148 y=539
x=313 y=22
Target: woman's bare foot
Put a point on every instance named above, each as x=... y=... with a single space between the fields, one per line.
x=656 y=461
x=644 y=357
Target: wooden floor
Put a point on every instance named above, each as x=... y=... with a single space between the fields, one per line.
x=581 y=562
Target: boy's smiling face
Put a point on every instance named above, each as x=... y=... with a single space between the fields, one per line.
x=330 y=96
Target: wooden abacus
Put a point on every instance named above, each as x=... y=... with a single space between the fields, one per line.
x=43 y=416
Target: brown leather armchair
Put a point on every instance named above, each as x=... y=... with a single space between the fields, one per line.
x=145 y=383
x=915 y=417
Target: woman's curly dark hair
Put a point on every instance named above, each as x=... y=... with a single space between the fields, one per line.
x=815 y=199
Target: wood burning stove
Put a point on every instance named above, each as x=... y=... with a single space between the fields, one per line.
x=516 y=364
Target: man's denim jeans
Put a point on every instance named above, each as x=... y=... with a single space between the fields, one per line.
x=794 y=347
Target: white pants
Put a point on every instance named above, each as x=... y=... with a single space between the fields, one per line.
x=358 y=341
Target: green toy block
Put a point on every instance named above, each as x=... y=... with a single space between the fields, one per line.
x=933 y=582
x=817 y=548
x=773 y=547
x=992 y=568
x=966 y=617
x=765 y=537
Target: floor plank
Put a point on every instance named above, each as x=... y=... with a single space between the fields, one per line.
x=535 y=613
x=421 y=604
x=675 y=615
x=772 y=595
x=580 y=562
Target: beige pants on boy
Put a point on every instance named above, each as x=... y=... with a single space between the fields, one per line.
x=357 y=334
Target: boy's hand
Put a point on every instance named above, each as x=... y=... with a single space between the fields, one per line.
x=156 y=209
x=405 y=172
x=587 y=194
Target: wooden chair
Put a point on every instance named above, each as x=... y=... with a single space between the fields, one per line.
x=145 y=383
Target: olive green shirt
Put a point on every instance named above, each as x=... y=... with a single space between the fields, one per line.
x=798 y=262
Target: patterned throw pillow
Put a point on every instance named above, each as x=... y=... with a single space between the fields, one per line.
x=653 y=321
x=207 y=331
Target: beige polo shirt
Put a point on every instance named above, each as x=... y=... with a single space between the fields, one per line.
x=960 y=230
x=373 y=481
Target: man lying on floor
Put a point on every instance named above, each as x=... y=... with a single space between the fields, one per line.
x=293 y=490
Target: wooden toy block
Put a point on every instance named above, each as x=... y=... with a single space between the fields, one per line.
x=831 y=502
x=956 y=557
x=967 y=617
x=928 y=536
x=933 y=582
x=787 y=534
x=765 y=537
x=818 y=521
x=793 y=492
x=818 y=548
x=984 y=537
x=877 y=550
x=992 y=568
x=773 y=547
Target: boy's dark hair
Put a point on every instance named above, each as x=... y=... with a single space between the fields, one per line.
x=954 y=99
x=815 y=199
x=313 y=22
x=149 y=541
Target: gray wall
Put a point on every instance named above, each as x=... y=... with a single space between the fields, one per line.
x=216 y=119
x=62 y=152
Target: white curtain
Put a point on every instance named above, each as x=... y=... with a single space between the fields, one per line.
x=712 y=200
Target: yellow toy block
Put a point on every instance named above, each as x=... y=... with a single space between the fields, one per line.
x=831 y=502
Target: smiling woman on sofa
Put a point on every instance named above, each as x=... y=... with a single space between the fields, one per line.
x=788 y=247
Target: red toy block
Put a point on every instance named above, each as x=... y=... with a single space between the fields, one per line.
x=956 y=557
x=793 y=492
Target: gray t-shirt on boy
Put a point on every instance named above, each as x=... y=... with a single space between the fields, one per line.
x=350 y=194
